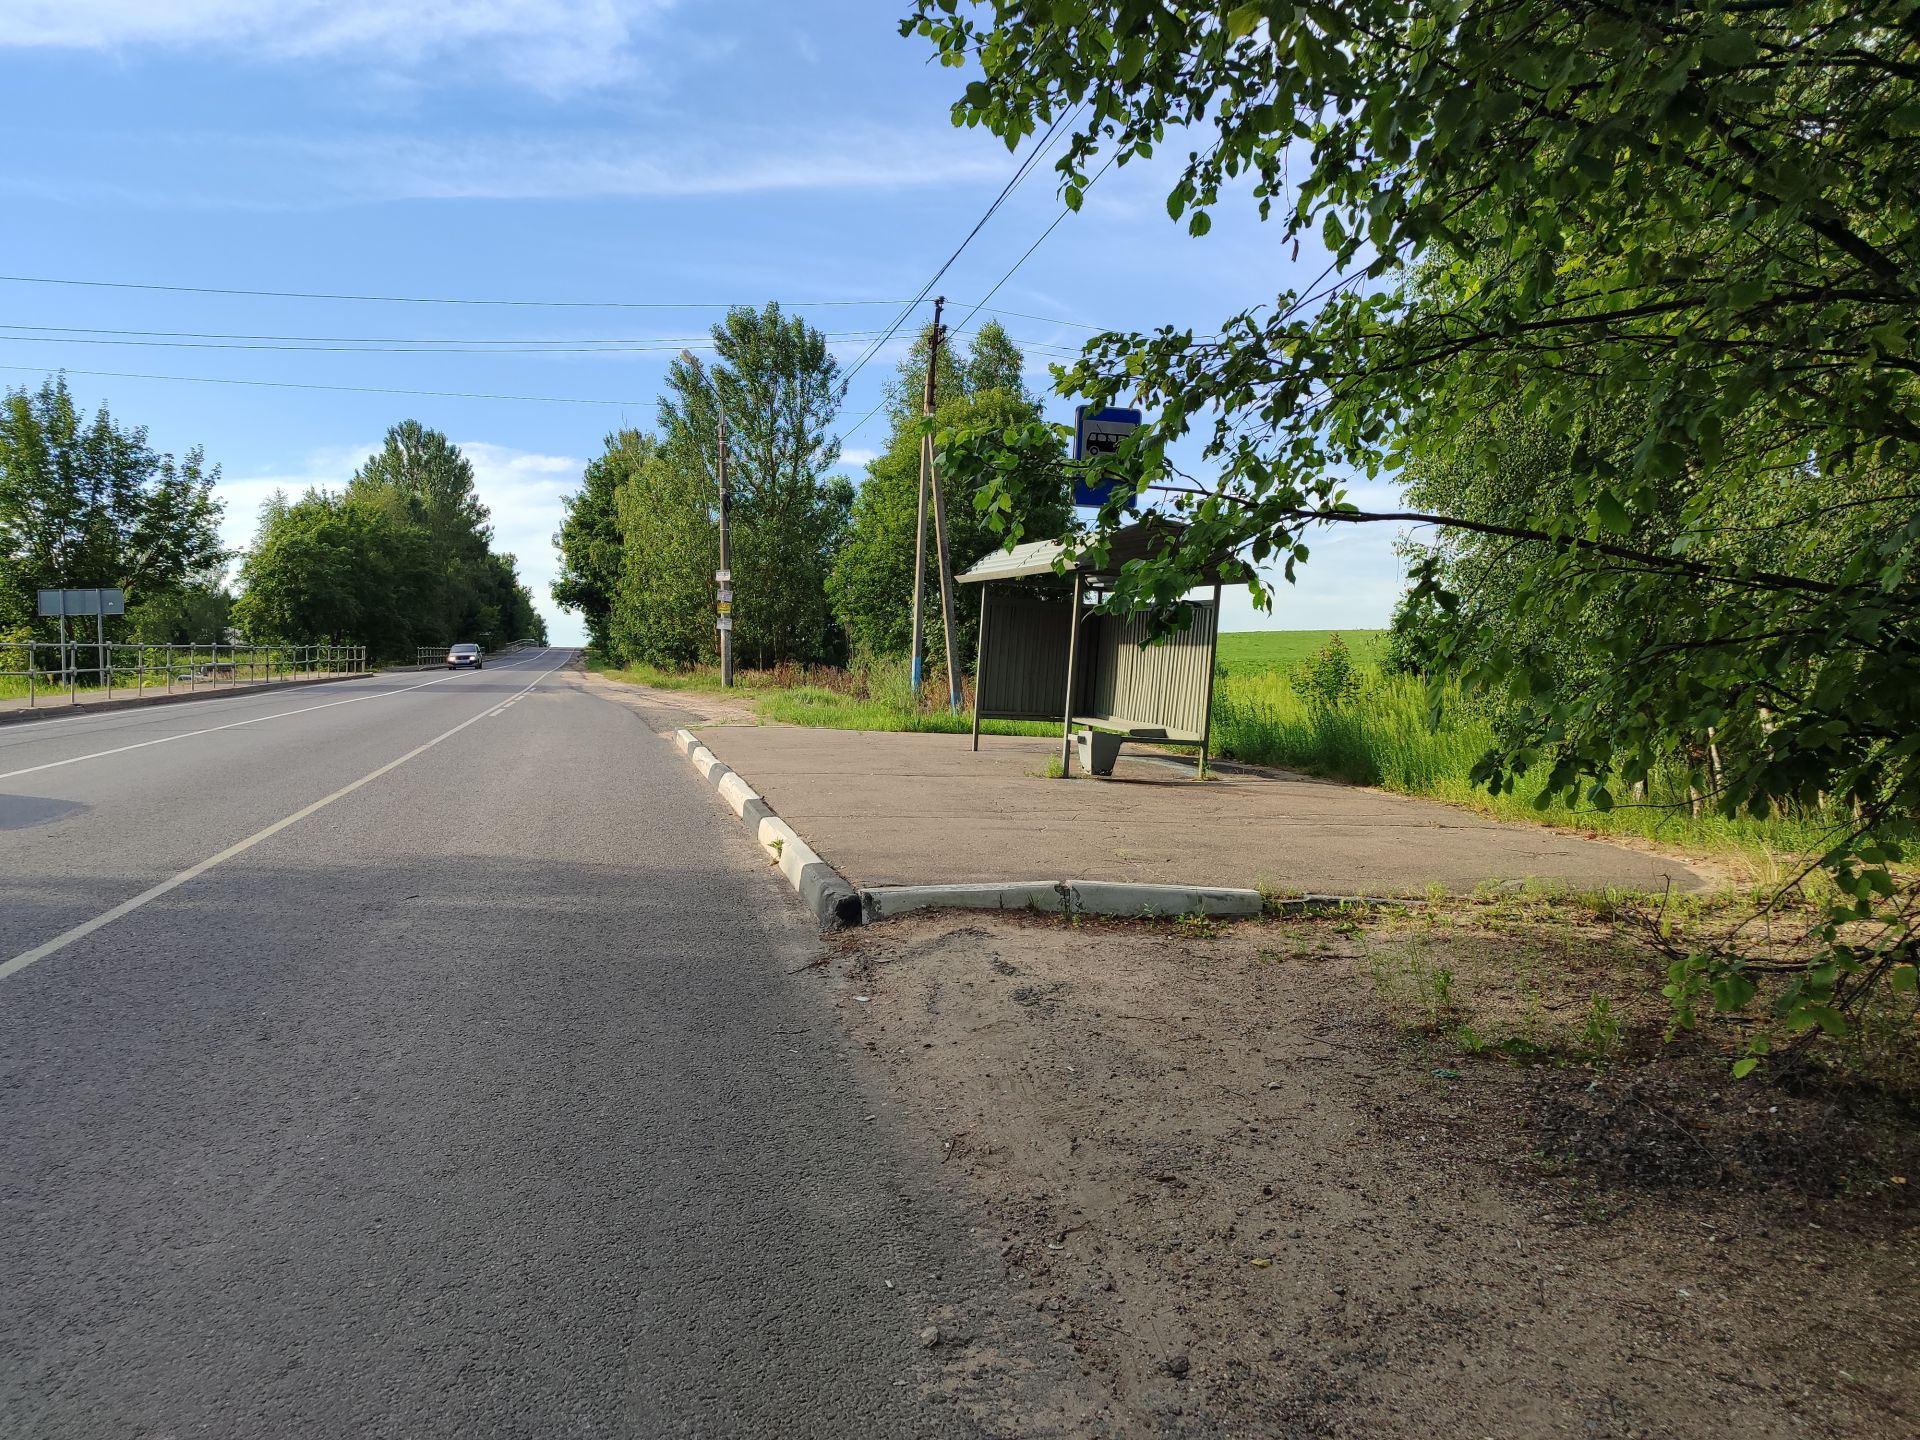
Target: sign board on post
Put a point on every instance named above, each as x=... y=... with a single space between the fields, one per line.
x=726 y=622
x=83 y=602
x=1099 y=432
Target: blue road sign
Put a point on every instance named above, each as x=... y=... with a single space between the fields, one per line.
x=1099 y=432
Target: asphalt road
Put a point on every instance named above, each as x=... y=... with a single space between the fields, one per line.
x=422 y=1056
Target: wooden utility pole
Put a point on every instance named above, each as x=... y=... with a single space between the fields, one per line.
x=723 y=578
x=920 y=516
x=930 y=464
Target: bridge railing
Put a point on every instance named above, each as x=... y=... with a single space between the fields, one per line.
x=45 y=671
x=426 y=657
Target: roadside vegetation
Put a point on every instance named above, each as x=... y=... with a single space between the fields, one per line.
x=402 y=556
x=1367 y=724
x=1623 y=300
x=820 y=575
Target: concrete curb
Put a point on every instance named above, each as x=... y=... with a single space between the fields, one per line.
x=1073 y=897
x=817 y=883
x=23 y=715
x=837 y=903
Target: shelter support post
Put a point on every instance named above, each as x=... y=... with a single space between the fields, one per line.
x=1073 y=657
x=980 y=665
x=1213 y=666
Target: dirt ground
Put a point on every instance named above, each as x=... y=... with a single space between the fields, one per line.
x=1238 y=1180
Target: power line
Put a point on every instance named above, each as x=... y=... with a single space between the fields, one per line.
x=996 y=286
x=433 y=299
x=421 y=349
x=528 y=304
x=403 y=340
x=351 y=389
x=1037 y=243
x=412 y=347
x=1026 y=166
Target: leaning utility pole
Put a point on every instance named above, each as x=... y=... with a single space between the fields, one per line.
x=930 y=493
x=920 y=523
x=931 y=464
x=723 y=577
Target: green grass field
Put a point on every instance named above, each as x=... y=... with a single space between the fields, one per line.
x=1258 y=652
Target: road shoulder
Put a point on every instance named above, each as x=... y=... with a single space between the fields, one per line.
x=1251 y=1204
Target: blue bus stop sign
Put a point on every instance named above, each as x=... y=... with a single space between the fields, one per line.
x=1099 y=432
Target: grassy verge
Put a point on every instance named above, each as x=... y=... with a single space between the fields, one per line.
x=1385 y=736
x=874 y=697
x=1549 y=975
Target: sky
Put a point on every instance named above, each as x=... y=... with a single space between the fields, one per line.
x=633 y=165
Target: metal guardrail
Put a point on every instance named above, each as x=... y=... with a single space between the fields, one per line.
x=426 y=657
x=33 y=669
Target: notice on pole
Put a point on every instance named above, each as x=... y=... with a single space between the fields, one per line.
x=104 y=601
x=726 y=622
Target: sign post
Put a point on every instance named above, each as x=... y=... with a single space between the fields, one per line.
x=1100 y=432
x=99 y=603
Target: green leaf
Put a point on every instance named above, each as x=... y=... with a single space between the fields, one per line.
x=1612 y=513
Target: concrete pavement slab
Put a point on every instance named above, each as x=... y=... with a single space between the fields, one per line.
x=894 y=809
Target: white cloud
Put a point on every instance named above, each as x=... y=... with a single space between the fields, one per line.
x=594 y=165
x=522 y=489
x=546 y=44
x=1351 y=581
x=329 y=469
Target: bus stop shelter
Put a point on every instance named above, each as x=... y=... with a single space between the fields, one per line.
x=1048 y=653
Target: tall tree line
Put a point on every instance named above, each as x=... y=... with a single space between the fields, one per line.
x=402 y=557
x=820 y=572
x=86 y=502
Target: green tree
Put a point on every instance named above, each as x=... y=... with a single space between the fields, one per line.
x=589 y=543
x=664 y=591
x=87 y=502
x=1697 y=220
x=196 y=613
x=872 y=581
x=401 y=558
x=777 y=384
x=325 y=569
x=422 y=480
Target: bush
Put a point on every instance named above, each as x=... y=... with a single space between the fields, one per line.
x=1328 y=679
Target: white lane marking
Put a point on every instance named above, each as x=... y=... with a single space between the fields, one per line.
x=234 y=725
x=127 y=907
x=28 y=733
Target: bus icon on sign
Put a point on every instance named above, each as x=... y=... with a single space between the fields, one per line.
x=1099 y=432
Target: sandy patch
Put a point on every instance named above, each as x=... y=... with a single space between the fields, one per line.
x=1250 y=1205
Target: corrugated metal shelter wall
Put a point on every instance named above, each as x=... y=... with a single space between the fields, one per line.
x=1164 y=684
x=1024 y=668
